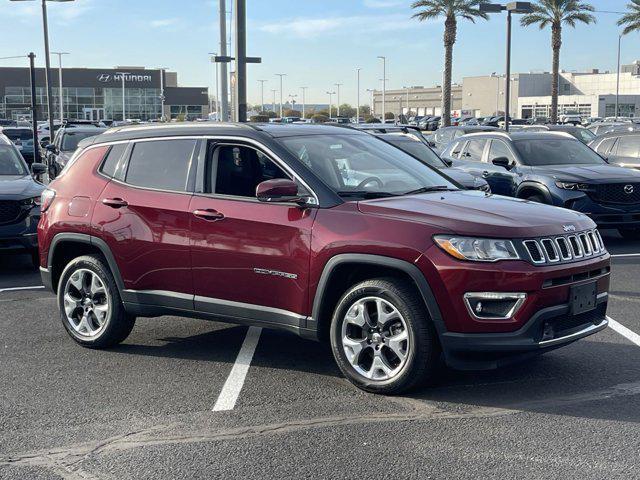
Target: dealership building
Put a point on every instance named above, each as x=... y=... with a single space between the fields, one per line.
x=591 y=94
x=97 y=94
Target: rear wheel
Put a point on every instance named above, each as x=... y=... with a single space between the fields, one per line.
x=630 y=233
x=382 y=337
x=91 y=309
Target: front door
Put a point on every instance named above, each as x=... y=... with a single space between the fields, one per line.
x=250 y=259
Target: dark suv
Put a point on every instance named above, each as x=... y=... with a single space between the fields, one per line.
x=326 y=232
x=553 y=168
x=621 y=148
x=65 y=143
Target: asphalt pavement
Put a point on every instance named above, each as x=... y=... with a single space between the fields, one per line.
x=147 y=408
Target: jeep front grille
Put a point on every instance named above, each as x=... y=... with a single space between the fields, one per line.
x=564 y=248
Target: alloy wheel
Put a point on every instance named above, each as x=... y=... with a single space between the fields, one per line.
x=86 y=303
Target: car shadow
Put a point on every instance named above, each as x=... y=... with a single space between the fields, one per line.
x=16 y=270
x=590 y=379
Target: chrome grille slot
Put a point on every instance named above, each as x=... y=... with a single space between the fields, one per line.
x=535 y=252
x=550 y=250
x=563 y=248
x=575 y=246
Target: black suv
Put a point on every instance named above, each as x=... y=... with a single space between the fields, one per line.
x=65 y=143
x=556 y=169
x=622 y=148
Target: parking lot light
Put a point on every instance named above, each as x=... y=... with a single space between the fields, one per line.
x=47 y=60
x=281 y=75
x=384 y=84
x=61 y=100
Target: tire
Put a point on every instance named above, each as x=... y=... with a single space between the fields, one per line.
x=630 y=233
x=421 y=348
x=93 y=315
x=536 y=198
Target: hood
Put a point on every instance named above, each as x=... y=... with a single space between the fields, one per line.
x=590 y=173
x=19 y=186
x=464 y=178
x=478 y=214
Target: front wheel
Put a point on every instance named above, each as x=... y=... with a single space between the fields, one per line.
x=382 y=337
x=630 y=233
x=90 y=306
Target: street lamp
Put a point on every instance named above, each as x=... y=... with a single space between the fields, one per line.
x=331 y=94
x=407 y=91
x=262 y=82
x=122 y=77
x=45 y=26
x=338 y=85
x=273 y=104
x=162 y=96
x=384 y=84
x=60 y=54
x=372 y=107
x=292 y=100
x=618 y=78
x=358 y=95
x=281 y=75
x=304 y=91
x=216 y=97
x=511 y=7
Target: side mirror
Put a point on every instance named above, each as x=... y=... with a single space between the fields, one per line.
x=38 y=168
x=448 y=162
x=502 y=162
x=278 y=190
x=44 y=142
x=51 y=148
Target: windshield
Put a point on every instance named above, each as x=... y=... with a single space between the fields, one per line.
x=561 y=151
x=362 y=165
x=71 y=139
x=415 y=147
x=18 y=133
x=10 y=161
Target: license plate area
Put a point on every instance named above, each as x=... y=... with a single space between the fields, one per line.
x=583 y=298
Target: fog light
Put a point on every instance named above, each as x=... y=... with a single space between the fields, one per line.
x=494 y=305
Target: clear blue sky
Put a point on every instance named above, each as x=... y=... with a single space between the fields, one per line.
x=316 y=42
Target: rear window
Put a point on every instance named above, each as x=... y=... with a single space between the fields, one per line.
x=18 y=134
x=629 y=146
x=161 y=164
x=415 y=147
x=70 y=140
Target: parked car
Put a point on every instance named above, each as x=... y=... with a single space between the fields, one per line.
x=412 y=141
x=19 y=201
x=19 y=136
x=60 y=151
x=446 y=135
x=573 y=118
x=493 y=121
x=581 y=133
x=429 y=123
x=257 y=226
x=590 y=120
x=621 y=148
x=4 y=122
x=556 y=169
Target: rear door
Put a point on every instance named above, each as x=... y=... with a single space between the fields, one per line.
x=143 y=215
x=250 y=259
x=626 y=151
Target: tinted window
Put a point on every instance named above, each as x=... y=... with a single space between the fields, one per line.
x=111 y=162
x=238 y=170
x=444 y=136
x=545 y=151
x=585 y=135
x=629 y=146
x=415 y=147
x=10 y=161
x=161 y=164
x=18 y=133
x=605 y=145
x=473 y=150
x=499 y=149
x=70 y=140
x=456 y=149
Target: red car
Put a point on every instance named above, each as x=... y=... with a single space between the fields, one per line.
x=326 y=232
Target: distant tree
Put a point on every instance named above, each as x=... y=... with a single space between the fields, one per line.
x=373 y=120
x=631 y=19
x=450 y=10
x=555 y=13
x=269 y=114
x=347 y=110
x=259 y=118
x=319 y=118
x=292 y=113
x=389 y=116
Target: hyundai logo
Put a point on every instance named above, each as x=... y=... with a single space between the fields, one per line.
x=105 y=77
x=569 y=228
x=628 y=189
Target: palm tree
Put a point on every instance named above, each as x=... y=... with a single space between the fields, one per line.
x=631 y=19
x=450 y=10
x=557 y=13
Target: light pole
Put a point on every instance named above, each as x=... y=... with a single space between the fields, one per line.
x=338 y=85
x=262 y=94
x=124 y=107
x=330 y=102
x=162 y=98
x=407 y=91
x=60 y=95
x=273 y=105
x=372 y=109
x=216 y=97
x=618 y=78
x=304 y=99
x=47 y=58
x=292 y=100
x=281 y=75
x=358 y=94
x=384 y=85
x=511 y=7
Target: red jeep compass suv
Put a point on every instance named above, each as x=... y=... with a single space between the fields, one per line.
x=327 y=232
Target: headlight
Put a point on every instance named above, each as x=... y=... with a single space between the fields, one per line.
x=485 y=188
x=47 y=198
x=31 y=202
x=571 y=185
x=477 y=249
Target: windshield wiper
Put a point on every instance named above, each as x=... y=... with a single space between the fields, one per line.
x=365 y=194
x=434 y=188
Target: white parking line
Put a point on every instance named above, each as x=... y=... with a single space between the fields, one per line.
x=14 y=289
x=232 y=387
x=624 y=331
x=621 y=255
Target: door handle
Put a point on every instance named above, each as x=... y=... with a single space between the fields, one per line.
x=115 y=202
x=208 y=214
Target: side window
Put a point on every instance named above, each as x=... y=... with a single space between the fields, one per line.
x=161 y=164
x=113 y=157
x=473 y=150
x=629 y=146
x=237 y=170
x=456 y=149
x=499 y=149
x=605 y=145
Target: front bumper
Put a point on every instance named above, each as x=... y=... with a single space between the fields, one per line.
x=28 y=241
x=548 y=329
x=21 y=235
x=606 y=215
